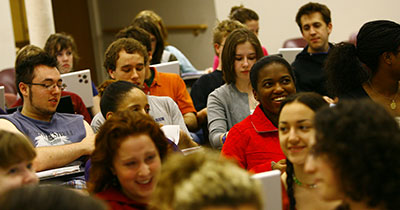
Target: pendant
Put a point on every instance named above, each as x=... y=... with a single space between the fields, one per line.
x=393 y=105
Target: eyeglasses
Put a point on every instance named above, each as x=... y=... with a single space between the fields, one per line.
x=49 y=86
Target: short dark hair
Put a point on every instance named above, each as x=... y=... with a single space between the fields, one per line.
x=28 y=58
x=238 y=36
x=129 y=45
x=265 y=61
x=114 y=94
x=310 y=8
x=242 y=14
x=362 y=141
x=110 y=137
x=137 y=33
x=60 y=41
x=148 y=24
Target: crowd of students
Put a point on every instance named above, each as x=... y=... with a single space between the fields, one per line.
x=334 y=152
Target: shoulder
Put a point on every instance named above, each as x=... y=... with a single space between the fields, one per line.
x=7 y=125
x=67 y=116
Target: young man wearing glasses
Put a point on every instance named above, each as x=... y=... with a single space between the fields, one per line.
x=60 y=138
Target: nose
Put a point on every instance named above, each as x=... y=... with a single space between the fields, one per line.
x=309 y=166
x=278 y=89
x=134 y=74
x=245 y=62
x=293 y=137
x=312 y=30
x=143 y=111
x=144 y=170
x=30 y=177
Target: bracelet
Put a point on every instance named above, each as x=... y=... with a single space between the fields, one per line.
x=273 y=163
x=224 y=137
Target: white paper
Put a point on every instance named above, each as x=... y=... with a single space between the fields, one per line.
x=171 y=132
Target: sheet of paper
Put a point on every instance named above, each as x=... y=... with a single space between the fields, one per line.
x=171 y=132
x=58 y=171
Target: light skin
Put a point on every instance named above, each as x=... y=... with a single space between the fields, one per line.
x=40 y=103
x=17 y=175
x=129 y=67
x=65 y=60
x=137 y=166
x=296 y=132
x=253 y=26
x=316 y=32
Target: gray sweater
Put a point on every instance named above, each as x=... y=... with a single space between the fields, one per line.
x=226 y=106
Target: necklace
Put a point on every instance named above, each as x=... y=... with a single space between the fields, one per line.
x=311 y=186
x=393 y=104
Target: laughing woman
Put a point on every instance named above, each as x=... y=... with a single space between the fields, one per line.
x=126 y=162
x=254 y=142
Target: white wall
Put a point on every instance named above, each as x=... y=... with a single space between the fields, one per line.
x=7 y=42
x=277 y=18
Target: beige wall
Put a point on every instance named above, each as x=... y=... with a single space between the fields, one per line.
x=277 y=17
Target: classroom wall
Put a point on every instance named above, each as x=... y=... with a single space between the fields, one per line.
x=277 y=18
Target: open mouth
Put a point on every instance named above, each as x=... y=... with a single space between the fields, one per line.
x=279 y=99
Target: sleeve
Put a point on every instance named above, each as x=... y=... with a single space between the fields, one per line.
x=94 y=90
x=197 y=94
x=235 y=146
x=183 y=98
x=176 y=115
x=217 y=119
x=184 y=63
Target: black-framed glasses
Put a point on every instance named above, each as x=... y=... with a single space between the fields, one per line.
x=48 y=86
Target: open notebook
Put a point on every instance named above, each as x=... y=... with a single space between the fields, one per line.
x=289 y=54
x=79 y=82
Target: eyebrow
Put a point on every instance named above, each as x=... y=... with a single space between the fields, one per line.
x=51 y=80
x=299 y=121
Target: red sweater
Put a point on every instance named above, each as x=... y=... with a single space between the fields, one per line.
x=254 y=143
x=118 y=201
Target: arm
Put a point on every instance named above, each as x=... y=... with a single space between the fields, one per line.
x=96 y=105
x=190 y=121
x=235 y=146
x=57 y=156
x=217 y=120
x=202 y=116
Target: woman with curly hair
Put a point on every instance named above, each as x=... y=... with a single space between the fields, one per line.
x=296 y=129
x=356 y=156
x=126 y=162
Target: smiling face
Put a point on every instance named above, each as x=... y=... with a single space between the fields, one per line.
x=245 y=57
x=274 y=84
x=296 y=129
x=137 y=165
x=65 y=60
x=129 y=67
x=17 y=175
x=316 y=32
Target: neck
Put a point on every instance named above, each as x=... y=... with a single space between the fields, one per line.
x=31 y=113
x=361 y=206
x=384 y=84
x=325 y=49
x=148 y=72
x=305 y=179
x=243 y=86
x=271 y=116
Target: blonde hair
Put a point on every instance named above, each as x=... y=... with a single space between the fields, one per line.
x=14 y=148
x=204 y=179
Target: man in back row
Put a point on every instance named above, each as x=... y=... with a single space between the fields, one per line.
x=59 y=138
x=314 y=21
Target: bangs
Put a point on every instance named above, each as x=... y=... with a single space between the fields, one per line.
x=14 y=149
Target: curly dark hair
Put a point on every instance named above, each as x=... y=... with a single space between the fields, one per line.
x=310 y=8
x=346 y=64
x=362 y=141
x=60 y=41
x=314 y=101
x=109 y=138
x=242 y=14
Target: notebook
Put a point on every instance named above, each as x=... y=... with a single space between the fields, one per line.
x=289 y=54
x=169 y=67
x=271 y=189
x=79 y=82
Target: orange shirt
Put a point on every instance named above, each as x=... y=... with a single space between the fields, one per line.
x=172 y=85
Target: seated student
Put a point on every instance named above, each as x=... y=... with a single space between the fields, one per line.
x=233 y=101
x=126 y=162
x=16 y=165
x=59 y=138
x=184 y=63
x=356 y=156
x=123 y=95
x=49 y=197
x=127 y=59
x=62 y=46
x=254 y=142
x=247 y=17
x=203 y=181
x=296 y=130
x=209 y=82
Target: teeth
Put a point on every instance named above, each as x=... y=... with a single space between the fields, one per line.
x=144 y=182
x=280 y=98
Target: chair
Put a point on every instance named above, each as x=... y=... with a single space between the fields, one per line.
x=7 y=79
x=295 y=43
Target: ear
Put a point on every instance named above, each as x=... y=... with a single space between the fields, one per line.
x=109 y=115
x=255 y=95
x=216 y=49
x=387 y=58
x=111 y=73
x=329 y=28
x=23 y=88
x=150 y=56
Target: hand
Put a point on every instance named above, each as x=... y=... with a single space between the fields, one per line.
x=208 y=70
x=280 y=165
